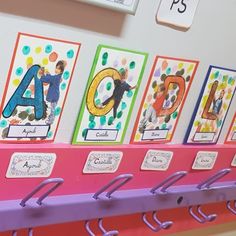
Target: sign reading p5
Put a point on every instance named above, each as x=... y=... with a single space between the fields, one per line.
x=177 y=12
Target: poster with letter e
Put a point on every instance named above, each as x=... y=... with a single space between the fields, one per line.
x=36 y=88
x=212 y=106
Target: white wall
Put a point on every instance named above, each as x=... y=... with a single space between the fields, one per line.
x=211 y=40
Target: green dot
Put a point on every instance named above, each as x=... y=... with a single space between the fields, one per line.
x=225 y=78
x=66 y=75
x=27 y=93
x=84 y=133
x=48 y=48
x=175 y=114
x=104 y=62
x=92 y=124
x=110 y=120
x=63 y=86
x=96 y=94
x=123 y=106
x=26 y=50
x=132 y=65
x=105 y=55
x=108 y=86
x=163 y=126
x=119 y=114
x=49 y=134
x=216 y=74
x=91 y=118
x=28 y=110
x=163 y=77
x=168 y=71
x=70 y=54
x=118 y=126
x=129 y=94
x=103 y=120
x=57 y=111
x=3 y=123
x=98 y=101
x=19 y=71
x=122 y=71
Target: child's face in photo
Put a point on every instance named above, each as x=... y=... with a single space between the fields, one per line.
x=57 y=70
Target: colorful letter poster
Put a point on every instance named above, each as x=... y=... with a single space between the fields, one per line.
x=36 y=88
x=163 y=100
x=231 y=136
x=110 y=95
x=212 y=106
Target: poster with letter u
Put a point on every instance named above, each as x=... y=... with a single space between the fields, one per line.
x=212 y=107
x=36 y=88
x=110 y=95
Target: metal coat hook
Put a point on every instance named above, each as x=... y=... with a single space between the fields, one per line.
x=160 y=225
x=30 y=232
x=125 y=178
x=169 y=181
x=57 y=181
x=208 y=182
x=203 y=217
x=233 y=210
x=104 y=232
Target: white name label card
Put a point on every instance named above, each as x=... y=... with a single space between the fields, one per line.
x=157 y=160
x=233 y=163
x=177 y=12
x=31 y=165
x=102 y=162
x=204 y=160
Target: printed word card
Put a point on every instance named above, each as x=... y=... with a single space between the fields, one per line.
x=212 y=106
x=110 y=96
x=36 y=88
x=163 y=100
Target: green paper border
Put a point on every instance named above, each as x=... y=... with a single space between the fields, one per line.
x=81 y=112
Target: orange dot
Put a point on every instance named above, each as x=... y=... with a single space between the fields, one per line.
x=53 y=57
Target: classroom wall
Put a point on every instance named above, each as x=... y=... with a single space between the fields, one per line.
x=210 y=40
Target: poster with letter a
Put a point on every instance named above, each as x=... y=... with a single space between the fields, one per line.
x=212 y=107
x=231 y=136
x=110 y=95
x=163 y=100
x=36 y=88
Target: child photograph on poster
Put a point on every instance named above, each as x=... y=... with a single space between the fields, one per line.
x=110 y=95
x=36 y=88
x=231 y=135
x=164 y=97
x=212 y=107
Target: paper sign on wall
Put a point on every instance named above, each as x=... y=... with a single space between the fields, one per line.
x=36 y=88
x=31 y=165
x=163 y=100
x=102 y=162
x=110 y=96
x=177 y=12
x=231 y=136
x=204 y=160
x=212 y=106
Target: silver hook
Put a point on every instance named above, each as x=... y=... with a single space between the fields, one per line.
x=30 y=232
x=203 y=217
x=104 y=232
x=233 y=210
x=160 y=225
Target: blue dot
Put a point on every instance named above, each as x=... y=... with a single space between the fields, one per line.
x=19 y=71
x=66 y=75
x=63 y=86
x=49 y=134
x=123 y=106
x=28 y=93
x=26 y=50
x=129 y=94
x=70 y=54
x=3 y=123
x=57 y=111
x=118 y=126
x=48 y=48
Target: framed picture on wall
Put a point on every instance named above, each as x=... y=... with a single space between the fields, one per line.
x=128 y=6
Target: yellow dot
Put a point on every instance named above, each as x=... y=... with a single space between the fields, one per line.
x=16 y=82
x=29 y=60
x=234 y=128
x=145 y=106
x=210 y=85
x=196 y=123
x=180 y=65
x=45 y=61
x=137 y=137
x=38 y=50
x=229 y=96
x=190 y=68
x=225 y=106
x=212 y=76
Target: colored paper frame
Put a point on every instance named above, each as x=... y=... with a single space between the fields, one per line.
x=91 y=77
x=231 y=135
x=203 y=101
x=180 y=62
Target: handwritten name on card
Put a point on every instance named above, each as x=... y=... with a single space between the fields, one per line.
x=157 y=160
x=31 y=165
x=102 y=162
x=101 y=135
x=204 y=160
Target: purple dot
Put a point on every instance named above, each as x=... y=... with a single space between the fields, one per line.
x=116 y=63
x=101 y=88
x=130 y=78
x=157 y=73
